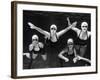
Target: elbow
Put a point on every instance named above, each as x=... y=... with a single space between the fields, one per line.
x=59 y=55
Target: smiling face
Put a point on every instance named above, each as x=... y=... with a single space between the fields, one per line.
x=84 y=26
x=53 y=29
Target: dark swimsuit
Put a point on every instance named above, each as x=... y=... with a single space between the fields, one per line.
x=38 y=62
x=41 y=51
x=80 y=41
x=85 y=44
x=70 y=63
x=52 y=53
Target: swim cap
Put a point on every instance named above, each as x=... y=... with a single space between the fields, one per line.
x=35 y=37
x=70 y=40
x=84 y=24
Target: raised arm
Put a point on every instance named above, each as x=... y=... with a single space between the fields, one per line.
x=69 y=23
x=45 y=33
x=60 y=33
x=63 y=57
x=73 y=28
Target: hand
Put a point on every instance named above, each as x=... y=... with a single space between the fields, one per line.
x=66 y=60
x=27 y=55
x=74 y=24
x=75 y=59
x=79 y=57
x=32 y=26
x=30 y=47
x=41 y=45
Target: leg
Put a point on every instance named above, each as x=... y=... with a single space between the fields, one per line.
x=33 y=57
x=82 y=51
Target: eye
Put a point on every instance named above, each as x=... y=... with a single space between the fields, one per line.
x=84 y=26
x=53 y=29
x=35 y=40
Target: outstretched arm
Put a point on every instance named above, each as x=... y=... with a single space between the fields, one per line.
x=85 y=59
x=63 y=57
x=60 y=33
x=32 y=26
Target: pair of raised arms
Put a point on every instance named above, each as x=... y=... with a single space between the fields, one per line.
x=47 y=34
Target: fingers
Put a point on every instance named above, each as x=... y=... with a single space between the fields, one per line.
x=27 y=55
x=74 y=24
x=67 y=60
x=75 y=60
x=31 y=25
x=30 y=47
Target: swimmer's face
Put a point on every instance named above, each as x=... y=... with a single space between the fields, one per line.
x=53 y=29
x=34 y=41
x=84 y=26
x=70 y=45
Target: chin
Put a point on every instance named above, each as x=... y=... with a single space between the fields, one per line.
x=84 y=30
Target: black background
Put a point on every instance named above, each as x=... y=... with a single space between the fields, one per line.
x=44 y=19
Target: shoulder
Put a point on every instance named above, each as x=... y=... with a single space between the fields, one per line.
x=89 y=33
x=41 y=45
x=78 y=32
x=65 y=49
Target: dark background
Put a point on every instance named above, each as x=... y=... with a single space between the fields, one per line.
x=44 y=19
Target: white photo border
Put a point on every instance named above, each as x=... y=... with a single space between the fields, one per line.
x=56 y=8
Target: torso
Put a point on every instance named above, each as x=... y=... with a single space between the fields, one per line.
x=52 y=40
x=82 y=39
x=70 y=54
x=37 y=49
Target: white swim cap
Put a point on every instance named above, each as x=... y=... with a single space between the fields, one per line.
x=70 y=40
x=53 y=26
x=35 y=37
x=84 y=24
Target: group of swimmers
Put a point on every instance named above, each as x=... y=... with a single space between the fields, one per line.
x=68 y=54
